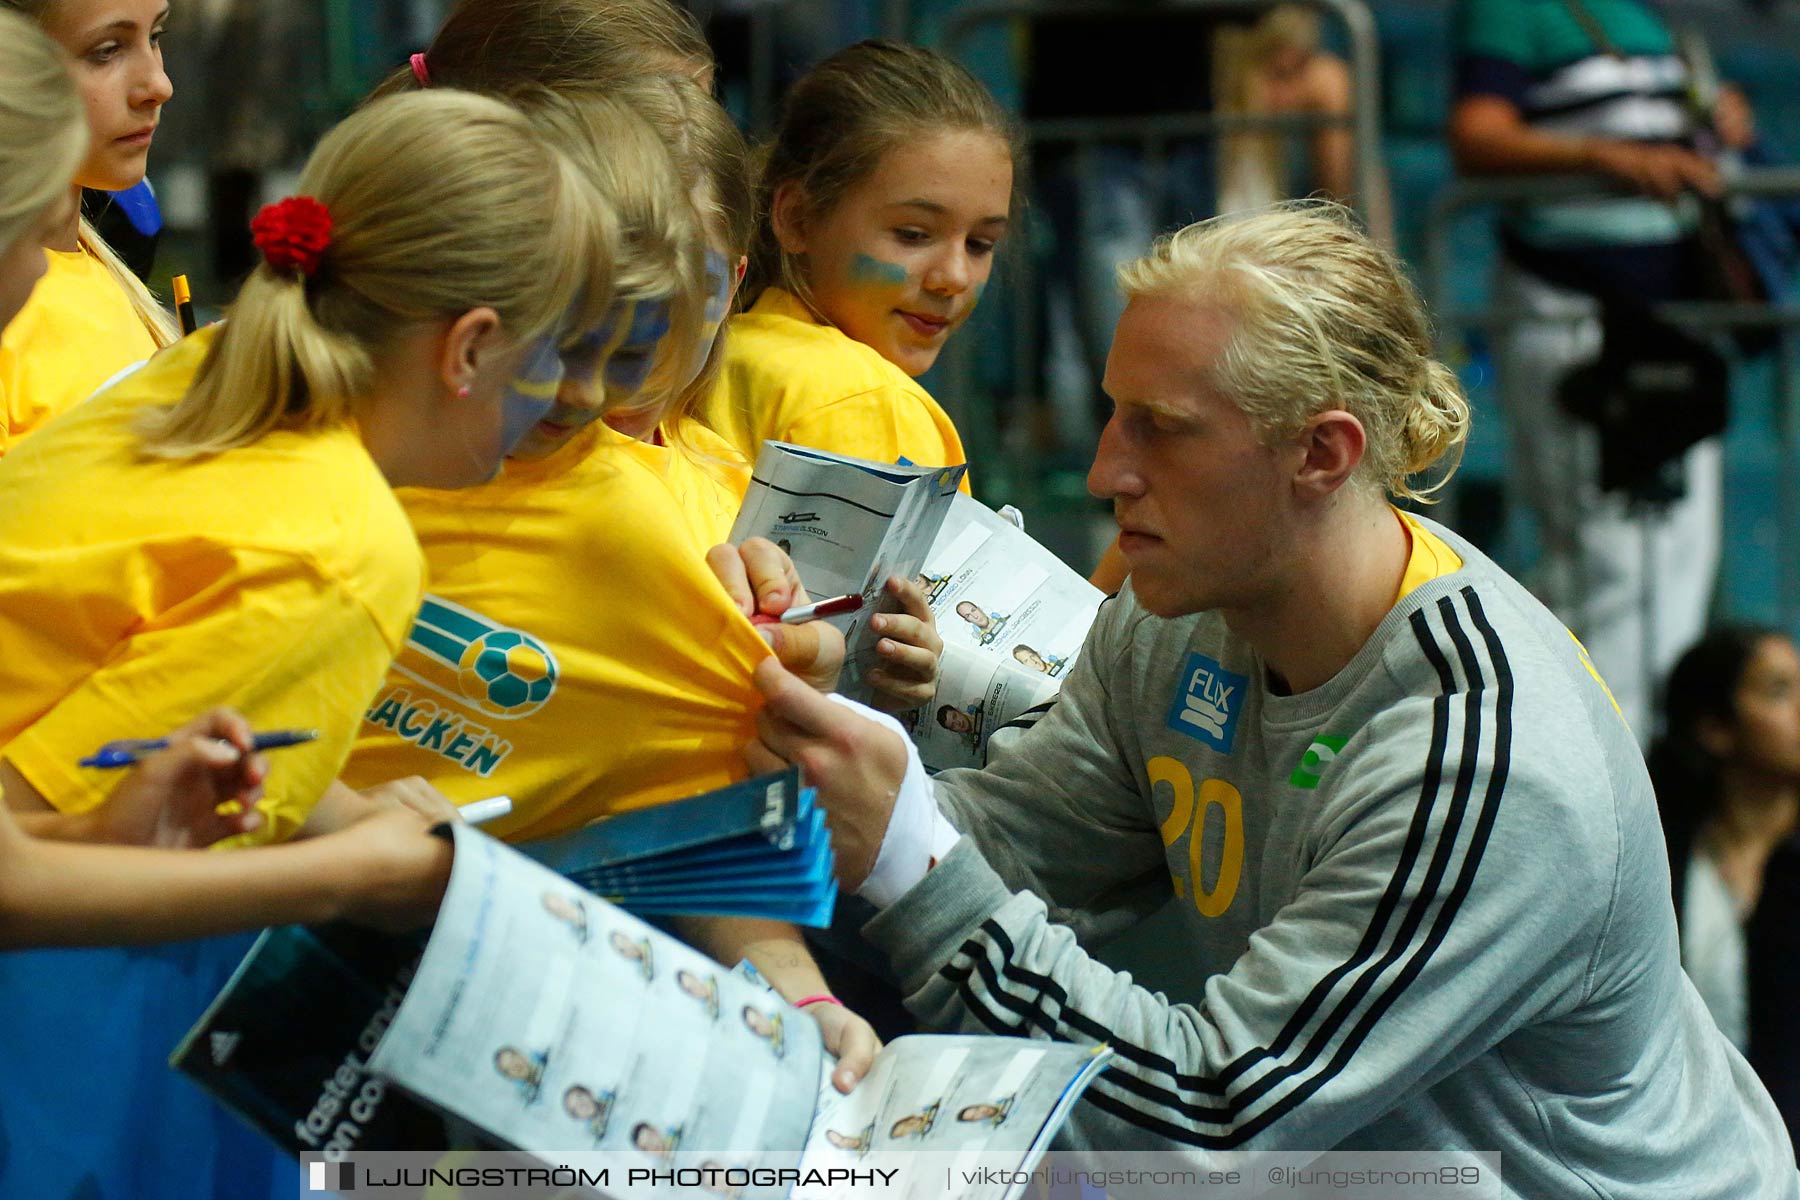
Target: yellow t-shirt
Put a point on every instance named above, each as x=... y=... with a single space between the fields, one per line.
x=575 y=652
x=76 y=331
x=1429 y=557
x=703 y=472
x=137 y=593
x=790 y=378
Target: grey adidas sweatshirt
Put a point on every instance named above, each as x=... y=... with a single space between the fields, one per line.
x=1432 y=906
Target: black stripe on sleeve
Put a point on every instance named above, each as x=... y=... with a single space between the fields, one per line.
x=1034 y=1014
x=1484 y=824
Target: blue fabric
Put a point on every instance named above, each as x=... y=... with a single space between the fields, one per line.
x=89 y=1107
x=139 y=205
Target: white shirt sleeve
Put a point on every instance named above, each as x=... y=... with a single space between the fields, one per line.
x=917 y=833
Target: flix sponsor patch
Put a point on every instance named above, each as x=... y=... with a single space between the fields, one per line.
x=1207 y=703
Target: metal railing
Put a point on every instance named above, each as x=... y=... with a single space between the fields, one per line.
x=974 y=408
x=1365 y=67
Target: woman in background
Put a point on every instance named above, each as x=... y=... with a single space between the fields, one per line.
x=1277 y=68
x=1727 y=775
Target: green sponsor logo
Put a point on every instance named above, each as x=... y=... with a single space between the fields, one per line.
x=1318 y=756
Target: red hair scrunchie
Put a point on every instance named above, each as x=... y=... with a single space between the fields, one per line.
x=420 y=70
x=293 y=234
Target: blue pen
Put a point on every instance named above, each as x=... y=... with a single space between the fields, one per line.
x=126 y=753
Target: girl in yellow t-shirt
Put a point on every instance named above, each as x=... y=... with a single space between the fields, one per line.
x=68 y=894
x=90 y=317
x=886 y=191
x=275 y=571
x=219 y=527
x=591 y=544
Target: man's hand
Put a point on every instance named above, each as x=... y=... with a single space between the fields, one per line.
x=910 y=650
x=762 y=581
x=849 y=1039
x=856 y=764
x=1661 y=171
x=172 y=799
x=1489 y=136
x=813 y=651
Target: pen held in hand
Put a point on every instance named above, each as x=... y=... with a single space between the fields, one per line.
x=129 y=751
x=837 y=606
x=480 y=812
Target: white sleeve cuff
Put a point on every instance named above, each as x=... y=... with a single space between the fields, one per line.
x=913 y=835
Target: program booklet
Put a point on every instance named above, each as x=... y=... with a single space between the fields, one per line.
x=539 y=1018
x=759 y=848
x=848 y=524
x=1013 y=617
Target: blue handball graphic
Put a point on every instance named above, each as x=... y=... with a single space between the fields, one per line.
x=506 y=673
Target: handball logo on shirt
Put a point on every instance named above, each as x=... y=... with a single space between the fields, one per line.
x=1318 y=756
x=1208 y=702
x=500 y=672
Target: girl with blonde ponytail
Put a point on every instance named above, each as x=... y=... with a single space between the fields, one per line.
x=86 y=894
x=590 y=548
x=611 y=516
x=219 y=527
x=90 y=317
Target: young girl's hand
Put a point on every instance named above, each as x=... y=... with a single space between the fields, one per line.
x=909 y=650
x=401 y=869
x=849 y=1039
x=172 y=799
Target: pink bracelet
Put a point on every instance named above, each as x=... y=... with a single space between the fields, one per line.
x=821 y=998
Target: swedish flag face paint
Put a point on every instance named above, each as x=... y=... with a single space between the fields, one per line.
x=719 y=275
x=531 y=393
x=589 y=383
x=719 y=278
x=642 y=325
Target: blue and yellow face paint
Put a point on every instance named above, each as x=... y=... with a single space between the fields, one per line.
x=531 y=393
x=867 y=269
x=602 y=369
x=719 y=278
x=640 y=326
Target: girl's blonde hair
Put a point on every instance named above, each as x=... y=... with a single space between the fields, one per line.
x=562 y=45
x=651 y=57
x=713 y=164
x=155 y=317
x=842 y=117
x=441 y=203
x=43 y=133
x=1324 y=318
x=661 y=252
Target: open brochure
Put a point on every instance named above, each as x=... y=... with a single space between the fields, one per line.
x=540 y=1018
x=848 y=524
x=1013 y=617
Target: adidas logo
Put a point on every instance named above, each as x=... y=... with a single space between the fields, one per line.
x=223 y=1045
